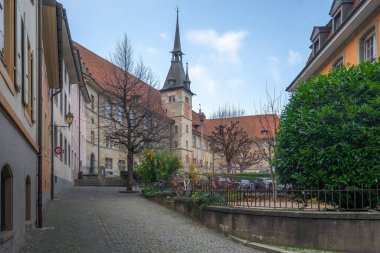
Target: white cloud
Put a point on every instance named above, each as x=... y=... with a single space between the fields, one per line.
x=164 y=36
x=200 y=76
x=236 y=82
x=294 y=58
x=227 y=45
x=151 y=50
x=273 y=68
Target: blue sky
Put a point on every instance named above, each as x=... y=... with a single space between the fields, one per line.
x=234 y=48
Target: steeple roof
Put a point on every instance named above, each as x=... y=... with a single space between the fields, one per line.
x=177 y=40
x=177 y=78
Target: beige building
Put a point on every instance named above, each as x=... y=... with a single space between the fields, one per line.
x=176 y=101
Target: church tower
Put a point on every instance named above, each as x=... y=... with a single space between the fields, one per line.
x=176 y=100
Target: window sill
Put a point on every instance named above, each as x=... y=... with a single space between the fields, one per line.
x=6 y=235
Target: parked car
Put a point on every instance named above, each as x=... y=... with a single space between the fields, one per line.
x=244 y=184
x=262 y=183
x=222 y=182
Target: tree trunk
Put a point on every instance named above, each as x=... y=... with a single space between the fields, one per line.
x=229 y=167
x=130 y=171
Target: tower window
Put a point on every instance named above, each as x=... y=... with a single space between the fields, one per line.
x=186 y=100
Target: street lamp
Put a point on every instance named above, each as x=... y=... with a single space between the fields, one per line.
x=69 y=117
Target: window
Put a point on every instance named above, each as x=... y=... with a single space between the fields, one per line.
x=108 y=142
x=92 y=136
x=69 y=158
x=108 y=164
x=264 y=132
x=369 y=47
x=28 y=197
x=176 y=128
x=6 y=199
x=9 y=31
x=337 y=21
x=187 y=144
x=55 y=142
x=316 y=47
x=122 y=165
x=92 y=120
x=92 y=163
x=65 y=108
x=175 y=144
x=171 y=98
x=108 y=108
x=187 y=128
x=92 y=102
x=338 y=63
x=194 y=141
x=65 y=152
x=60 y=145
x=186 y=100
x=61 y=102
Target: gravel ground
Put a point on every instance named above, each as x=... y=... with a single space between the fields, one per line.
x=99 y=219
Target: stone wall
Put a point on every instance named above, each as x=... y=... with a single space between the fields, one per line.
x=343 y=231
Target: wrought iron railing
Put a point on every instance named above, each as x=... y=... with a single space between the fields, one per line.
x=350 y=199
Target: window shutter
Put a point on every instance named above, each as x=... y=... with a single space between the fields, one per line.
x=32 y=77
x=25 y=61
x=2 y=27
x=18 y=48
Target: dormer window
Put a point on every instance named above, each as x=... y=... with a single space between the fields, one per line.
x=316 y=46
x=337 y=21
x=264 y=132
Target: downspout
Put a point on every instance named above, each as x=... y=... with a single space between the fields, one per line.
x=40 y=115
x=79 y=114
x=99 y=139
x=52 y=142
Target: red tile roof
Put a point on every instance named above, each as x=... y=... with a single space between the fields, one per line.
x=104 y=73
x=252 y=124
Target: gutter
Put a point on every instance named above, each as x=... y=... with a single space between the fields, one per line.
x=40 y=116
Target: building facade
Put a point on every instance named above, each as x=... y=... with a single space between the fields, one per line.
x=350 y=37
x=18 y=135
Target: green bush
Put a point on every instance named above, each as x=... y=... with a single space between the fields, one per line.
x=202 y=199
x=330 y=130
x=156 y=165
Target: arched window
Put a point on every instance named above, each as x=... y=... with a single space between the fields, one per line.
x=6 y=198
x=28 y=202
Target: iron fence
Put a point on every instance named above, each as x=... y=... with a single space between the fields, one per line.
x=351 y=199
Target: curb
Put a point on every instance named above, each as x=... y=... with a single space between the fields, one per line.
x=258 y=246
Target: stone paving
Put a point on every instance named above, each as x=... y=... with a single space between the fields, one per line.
x=99 y=219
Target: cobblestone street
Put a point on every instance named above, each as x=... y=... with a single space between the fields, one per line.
x=99 y=219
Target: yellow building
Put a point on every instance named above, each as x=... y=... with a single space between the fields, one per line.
x=350 y=37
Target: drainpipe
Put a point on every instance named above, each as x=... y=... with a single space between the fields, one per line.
x=99 y=138
x=79 y=141
x=40 y=115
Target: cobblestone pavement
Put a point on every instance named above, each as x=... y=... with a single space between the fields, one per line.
x=99 y=219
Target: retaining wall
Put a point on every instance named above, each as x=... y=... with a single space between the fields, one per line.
x=343 y=231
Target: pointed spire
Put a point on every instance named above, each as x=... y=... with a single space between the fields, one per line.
x=187 y=79
x=177 y=40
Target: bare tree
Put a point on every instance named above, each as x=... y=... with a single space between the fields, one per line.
x=227 y=111
x=246 y=159
x=131 y=111
x=269 y=123
x=230 y=141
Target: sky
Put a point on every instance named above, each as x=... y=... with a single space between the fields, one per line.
x=236 y=50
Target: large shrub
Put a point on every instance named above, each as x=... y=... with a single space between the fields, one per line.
x=330 y=130
x=156 y=165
